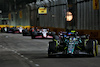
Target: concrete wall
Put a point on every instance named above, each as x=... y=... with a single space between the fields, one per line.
x=0 y=22
x=87 y=17
x=16 y=20
x=55 y=15
x=12 y=22
x=0 y=19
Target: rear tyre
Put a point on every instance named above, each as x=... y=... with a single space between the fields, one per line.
x=91 y=49
x=34 y=34
x=32 y=37
x=49 y=53
x=96 y=47
x=23 y=34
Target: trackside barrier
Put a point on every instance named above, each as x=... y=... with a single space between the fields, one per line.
x=94 y=34
x=19 y=26
x=11 y=26
x=39 y=27
x=26 y=26
x=1 y=26
x=57 y=30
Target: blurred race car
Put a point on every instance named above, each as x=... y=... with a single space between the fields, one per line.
x=26 y=32
x=72 y=44
x=15 y=30
x=4 y=29
x=42 y=33
x=10 y=30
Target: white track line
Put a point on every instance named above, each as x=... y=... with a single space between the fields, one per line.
x=15 y=51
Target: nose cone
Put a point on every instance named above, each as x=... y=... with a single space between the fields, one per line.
x=44 y=34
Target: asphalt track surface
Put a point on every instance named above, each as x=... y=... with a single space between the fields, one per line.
x=20 y=51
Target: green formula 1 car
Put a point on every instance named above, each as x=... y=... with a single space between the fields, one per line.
x=72 y=44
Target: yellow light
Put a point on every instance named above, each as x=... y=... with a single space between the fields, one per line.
x=69 y=16
x=73 y=31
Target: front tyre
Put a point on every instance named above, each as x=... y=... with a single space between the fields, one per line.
x=52 y=48
x=49 y=53
x=32 y=37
